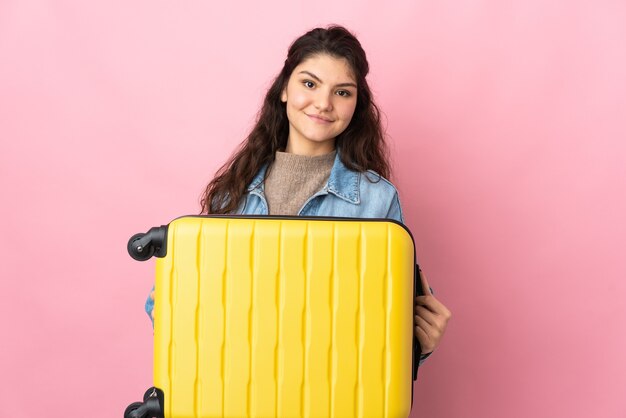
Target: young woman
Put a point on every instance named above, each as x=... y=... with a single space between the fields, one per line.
x=318 y=149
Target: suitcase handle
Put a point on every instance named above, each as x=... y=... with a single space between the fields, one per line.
x=417 y=349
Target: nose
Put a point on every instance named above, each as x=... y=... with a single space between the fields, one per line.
x=323 y=101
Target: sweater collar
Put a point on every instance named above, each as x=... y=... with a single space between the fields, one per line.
x=342 y=182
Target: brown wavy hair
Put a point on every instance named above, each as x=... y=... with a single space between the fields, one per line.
x=361 y=146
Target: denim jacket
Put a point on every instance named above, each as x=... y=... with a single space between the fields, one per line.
x=347 y=194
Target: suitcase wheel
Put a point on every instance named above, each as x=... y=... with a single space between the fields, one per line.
x=132 y=410
x=149 y=408
x=139 y=252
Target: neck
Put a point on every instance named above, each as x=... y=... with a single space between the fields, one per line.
x=310 y=150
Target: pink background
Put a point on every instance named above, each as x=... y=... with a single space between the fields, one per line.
x=507 y=121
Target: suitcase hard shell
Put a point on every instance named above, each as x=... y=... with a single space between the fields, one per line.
x=284 y=317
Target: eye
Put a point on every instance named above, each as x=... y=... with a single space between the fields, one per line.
x=308 y=84
x=344 y=93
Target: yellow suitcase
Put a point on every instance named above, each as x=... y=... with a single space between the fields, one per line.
x=281 y=317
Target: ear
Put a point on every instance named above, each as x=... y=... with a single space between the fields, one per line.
x=283 y=95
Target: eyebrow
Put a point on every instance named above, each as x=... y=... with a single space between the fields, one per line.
x=318 y=79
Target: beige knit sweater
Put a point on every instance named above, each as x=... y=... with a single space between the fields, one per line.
x=293 y=179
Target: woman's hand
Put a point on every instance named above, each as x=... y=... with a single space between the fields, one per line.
x=431 y=319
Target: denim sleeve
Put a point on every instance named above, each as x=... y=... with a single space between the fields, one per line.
x=395 y=209
x=150 y=306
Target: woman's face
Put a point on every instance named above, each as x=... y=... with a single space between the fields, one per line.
x=320 y=98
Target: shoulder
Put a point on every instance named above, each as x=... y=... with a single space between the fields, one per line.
x=359 y=194
x=379 y=197
x=372 y=182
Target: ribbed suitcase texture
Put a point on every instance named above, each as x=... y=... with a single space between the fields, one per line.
x=270 y=317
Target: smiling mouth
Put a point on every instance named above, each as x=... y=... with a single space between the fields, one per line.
x=319 y=119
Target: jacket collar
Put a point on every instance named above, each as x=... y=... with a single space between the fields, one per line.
x=342 y=182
